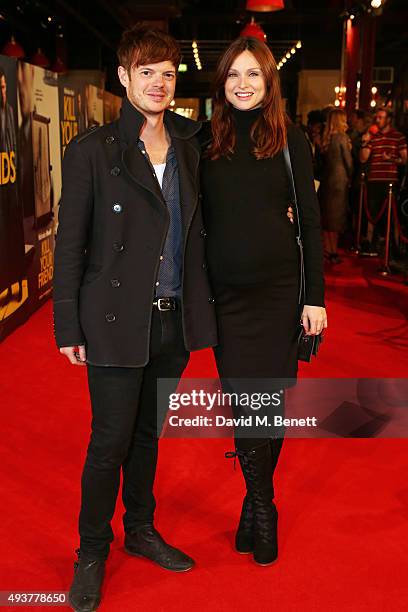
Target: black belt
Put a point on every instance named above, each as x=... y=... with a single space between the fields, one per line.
x=166 y=303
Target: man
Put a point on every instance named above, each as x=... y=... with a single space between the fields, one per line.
x=313 y=133
x=131 y=295
x=385 y=150
x=359 y=122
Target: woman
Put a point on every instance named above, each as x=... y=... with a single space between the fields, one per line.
x=336 y=177
x=253 y=258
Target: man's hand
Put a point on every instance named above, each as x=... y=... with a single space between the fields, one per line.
x=76 y=357
x=314 y=320
x=365 y=139
x=290 y=214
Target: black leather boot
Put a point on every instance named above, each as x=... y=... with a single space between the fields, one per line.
x=85 y=592
x=147 y=542
x=244 y=538
x=257 y=466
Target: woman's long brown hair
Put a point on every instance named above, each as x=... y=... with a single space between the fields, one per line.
x=269 y=131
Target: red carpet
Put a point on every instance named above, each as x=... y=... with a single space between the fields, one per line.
x=343 y=503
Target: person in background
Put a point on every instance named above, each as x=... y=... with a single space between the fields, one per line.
x=336 y=177
x=386 y=150
x=313 y=133
x=359 y=123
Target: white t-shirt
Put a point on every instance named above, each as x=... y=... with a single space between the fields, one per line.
x=159 y=170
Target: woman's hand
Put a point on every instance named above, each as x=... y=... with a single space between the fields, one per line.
x=314 y=320
x=290 y=214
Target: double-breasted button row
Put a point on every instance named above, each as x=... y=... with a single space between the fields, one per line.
x=203 y=233
x=110 y=317
x=117 y=208
x=115 y=171
x=115 y=282
x=204 y=266
x=211 y=300
x=109 y=139
x=118 y=247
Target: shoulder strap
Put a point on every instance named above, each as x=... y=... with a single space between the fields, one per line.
x=289 y=170
x=288 y=164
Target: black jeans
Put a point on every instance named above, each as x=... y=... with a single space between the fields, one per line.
x=377 y=192
x=124 y=435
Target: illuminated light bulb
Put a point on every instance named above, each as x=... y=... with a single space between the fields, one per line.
x=337 y=89
x=299 y=44
x=293 y=51
x=373 y=103
x=337 y=103
x=374 y=90
x=376 y=3
x=288 y=55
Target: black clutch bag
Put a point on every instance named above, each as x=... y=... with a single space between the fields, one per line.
x=308 y=345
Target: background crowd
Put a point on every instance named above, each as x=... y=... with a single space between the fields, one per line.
x=363 y=153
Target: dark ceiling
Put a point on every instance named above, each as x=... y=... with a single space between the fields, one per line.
x=89 y=31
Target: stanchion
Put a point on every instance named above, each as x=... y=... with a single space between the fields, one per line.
x=385 y=268
x=357 y=239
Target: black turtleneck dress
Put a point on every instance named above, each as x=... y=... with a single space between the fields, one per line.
x=252 y=255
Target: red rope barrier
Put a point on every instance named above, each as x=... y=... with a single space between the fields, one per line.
x=397 y=221
x=380 y=214
x=384 y=206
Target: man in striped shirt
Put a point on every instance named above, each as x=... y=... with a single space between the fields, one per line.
x=385 y=148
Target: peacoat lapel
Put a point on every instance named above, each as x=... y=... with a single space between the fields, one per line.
x=181 y=132
x=137 y=167
x=188 y=159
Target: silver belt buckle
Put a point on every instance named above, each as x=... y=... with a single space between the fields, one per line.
x=159 y=304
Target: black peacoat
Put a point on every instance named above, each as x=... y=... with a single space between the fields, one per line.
x=113 y=223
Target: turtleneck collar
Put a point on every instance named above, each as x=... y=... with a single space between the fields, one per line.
x=245 y=119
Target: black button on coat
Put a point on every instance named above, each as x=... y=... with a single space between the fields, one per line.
x=87 y=256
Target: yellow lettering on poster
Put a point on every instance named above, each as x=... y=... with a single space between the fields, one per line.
x=46 y=264
x=7 y=168
x=69 y=125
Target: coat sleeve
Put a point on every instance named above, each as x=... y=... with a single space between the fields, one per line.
x=71 y=241
x=309 y=212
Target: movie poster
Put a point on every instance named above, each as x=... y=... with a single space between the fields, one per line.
x=72 y=109
x=39 y=114
x=38 y=178
x=93 y=106
x=111 y=107
x=13 y=263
